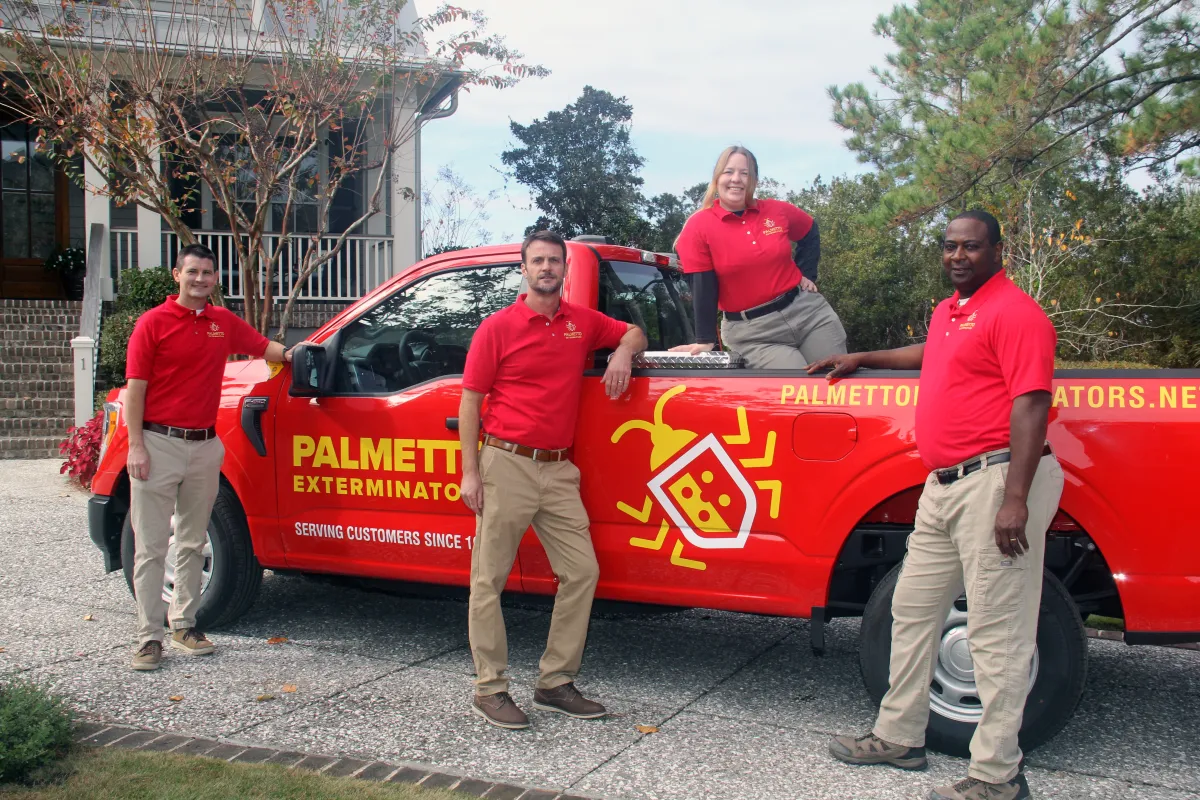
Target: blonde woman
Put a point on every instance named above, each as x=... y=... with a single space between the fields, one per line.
x=737 y=251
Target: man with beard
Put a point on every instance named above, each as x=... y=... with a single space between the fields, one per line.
x=993 y=487
x=528 y=360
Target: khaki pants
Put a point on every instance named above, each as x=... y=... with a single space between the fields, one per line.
x=184 y=478
x=807 y=330
x=952 y=547
x=518 y=492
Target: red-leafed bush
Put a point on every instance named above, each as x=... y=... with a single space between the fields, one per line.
x=82 y=450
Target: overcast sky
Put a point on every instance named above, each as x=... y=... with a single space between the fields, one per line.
x=699 y=74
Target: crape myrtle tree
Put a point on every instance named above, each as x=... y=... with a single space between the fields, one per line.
x=157 y=95
x=985 y=95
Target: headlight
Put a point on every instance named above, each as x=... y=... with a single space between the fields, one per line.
x=111 y=411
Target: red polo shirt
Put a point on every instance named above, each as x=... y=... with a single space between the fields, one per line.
x=181 y=355
x=751 y=254
x=531 y=369
x=979 y=357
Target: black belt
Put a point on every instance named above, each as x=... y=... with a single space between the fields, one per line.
x=187 y=434
x=951 y=474
x=781 y=302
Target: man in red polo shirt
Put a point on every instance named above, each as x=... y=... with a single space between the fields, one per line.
x=528 y=360
x=174 y=366
x=993 y=487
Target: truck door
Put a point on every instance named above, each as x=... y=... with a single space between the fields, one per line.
x=368 y=477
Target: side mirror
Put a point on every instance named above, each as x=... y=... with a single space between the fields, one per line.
x=311 y=373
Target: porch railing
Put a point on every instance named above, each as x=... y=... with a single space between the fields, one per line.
x=359 y=266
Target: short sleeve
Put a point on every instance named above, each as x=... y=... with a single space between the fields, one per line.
x=243 y=338
x=693 y=249
x=800 y=222
x=606 y=331
x=139 y=356
x=1024 y=342
x=483 y=358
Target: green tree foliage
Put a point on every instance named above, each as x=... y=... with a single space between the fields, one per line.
x=986 y=93
x=581 y=168
x=882 y=282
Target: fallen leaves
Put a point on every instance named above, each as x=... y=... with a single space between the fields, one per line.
x=289 y=687
x=647 y=729
x=175 y=698
x=1 y=649
x=262 y=698
x=277 y=640
x=89 y=617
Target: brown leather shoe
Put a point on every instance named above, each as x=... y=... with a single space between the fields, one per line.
x=148 y=656
x=870 y=749
x=975 y=789
x=192 y=642
x=500 y=710
x=566 y=699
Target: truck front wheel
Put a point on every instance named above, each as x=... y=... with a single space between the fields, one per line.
x=231 y=573
x=1057 y=674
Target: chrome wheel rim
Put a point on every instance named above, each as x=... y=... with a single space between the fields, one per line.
x=953 y=693
x=206 y=569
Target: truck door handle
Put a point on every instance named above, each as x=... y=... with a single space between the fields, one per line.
x=252 y=411
x=452 y=423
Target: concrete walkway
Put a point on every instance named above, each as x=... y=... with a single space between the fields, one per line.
x=742 y=708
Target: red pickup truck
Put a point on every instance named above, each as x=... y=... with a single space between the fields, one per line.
x=708 y=485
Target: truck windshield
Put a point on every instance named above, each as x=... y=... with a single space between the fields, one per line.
x=656 y=299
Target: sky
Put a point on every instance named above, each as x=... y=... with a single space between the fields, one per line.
x=700 y=75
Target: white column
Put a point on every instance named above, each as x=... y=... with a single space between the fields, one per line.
x=405 y=224
x=96 y=210
x=149 y=224
x=83 y=350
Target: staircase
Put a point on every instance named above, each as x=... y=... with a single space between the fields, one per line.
x=37 y=386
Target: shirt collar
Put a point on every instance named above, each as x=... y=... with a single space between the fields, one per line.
x=528 y=314
x=180 y=311
x=990 y=287
x=724 y=214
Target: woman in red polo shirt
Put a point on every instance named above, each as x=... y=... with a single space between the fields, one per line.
x=738 y=252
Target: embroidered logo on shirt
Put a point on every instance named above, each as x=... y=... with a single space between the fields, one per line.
x=769 y=227
x=572 y=333
x=214 y=331
x=970 y=323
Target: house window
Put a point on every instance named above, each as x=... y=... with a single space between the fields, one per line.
x=28 y=218
x=300 y=218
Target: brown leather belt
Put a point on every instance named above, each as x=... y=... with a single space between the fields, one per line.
x=951 y=474
x=529 y=452
x=187 y=434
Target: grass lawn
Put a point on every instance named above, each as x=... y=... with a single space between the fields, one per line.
x=123 y=775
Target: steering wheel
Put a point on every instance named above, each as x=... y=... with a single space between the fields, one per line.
x=407 y=356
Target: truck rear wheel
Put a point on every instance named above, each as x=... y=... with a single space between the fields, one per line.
x=232 y=575
x=1057 y=674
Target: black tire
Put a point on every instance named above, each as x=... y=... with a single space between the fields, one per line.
x=1062 y=670
x=236 y=575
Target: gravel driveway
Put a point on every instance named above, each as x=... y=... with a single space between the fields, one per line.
x=742 y=708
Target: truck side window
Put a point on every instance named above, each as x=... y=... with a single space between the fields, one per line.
x=656 y=299
x=423 y=331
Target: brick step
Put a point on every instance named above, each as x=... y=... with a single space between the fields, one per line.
x=41 y=353
x=30 y=446
x=36 y=334
x=64 y=305
x=37 y=407
x=32 y=386
x=34 y=317
x=35 y=426
x=57 y=371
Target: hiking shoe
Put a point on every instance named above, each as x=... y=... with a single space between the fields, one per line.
x=566 y=699
x=870 y=749
x=192 y=642
x=148 y=656
x=975 y=789
x=500 y=710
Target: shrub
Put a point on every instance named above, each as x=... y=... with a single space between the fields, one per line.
x=82 y=450
x=35 y=728
x=73 y=259
x=140 y=291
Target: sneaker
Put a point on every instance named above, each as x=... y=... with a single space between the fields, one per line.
x=192 y=642
x=500 y=710
x=566 y=699
x=870 y=749
x=148 y=656
x=975 y=789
